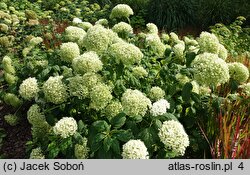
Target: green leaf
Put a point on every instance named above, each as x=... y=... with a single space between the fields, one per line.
x=78 y=137
x=118 y=121
x=186 y=92
x=157 y=124
x=107 y=142
x=101 y=126
x=168 y=52
x=190 y=56
x=116 y=146
x=96 y=142
x=81 y=126
x=168 y=116
x=53 y=150
x=149 y=137
x=123 y=135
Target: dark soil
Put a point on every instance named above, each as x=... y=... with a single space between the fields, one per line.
x=13 y=146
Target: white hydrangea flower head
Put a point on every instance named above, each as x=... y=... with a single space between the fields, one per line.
x=222 y=53
x=77 y=87
x=4 y=28
x=103 y=22
x=174 y=137
x=156 y=93
x=65 y=127
x=113 y=109
x=98 y=39
x=209 y=69
x=82 y=150
x=126 y=53
x=74 y=34
x=159 y=107
x=139 y=72
x=196 y=87
x=69 y=51
x=238 y=72
x=194 y=49
x=100 y=96
x=121 y=11
x=87 y=62
x=91 y=79
x=29 y=88
x=154 y=42
x=122 y=28
x=152 y=28
x=174 y=37
x=183 y=79
x=179 y=50
x=35 y=41
x=34 y=115
x=191 y=42
x=12 y=99
x=7 y=65
x=245 y=89
x=11 y=119
x=135 y=103
x=37 y=153
x=204 y=90
x=54 y=90
x=208 y=42
x=134 y=149
x=165 y=37
x=85 y=25
x=76 y=20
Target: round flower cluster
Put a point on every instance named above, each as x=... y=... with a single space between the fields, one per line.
x=37 y=153
x=174 y=137
x=113 y=109
x=208 y=42
x=121 y=11
x=77 y=87
x=98 y=39
x=77 y=21
x=82 y=150
x=174 y=37
x=246 y=88
x=238 y=72
x=122 y=29
x=4 y=28
x=91 y=79
x=100 y=96
x=85 y=25
x=126 y=53
x=11 y=119
x=165 y=37
x=139 y=72
x=189 y=41
x=209 y=69
x=203 y=90
x=69 y=51
x=10 y=78
x=183 y=79
x=34 y=115
x=103 y=22
x=222 y=53
x=153 y=41
x=74 y=34
x=159 y=107
x=152 y=28
x=65 y=127
x=135 y=103
x=179 y=50
x=35 y=41
x=87 y=62
x=29 y=88
x=12 y=99
x=134 y=149
x=54 y=90
x=156 y=93
x=7 y=65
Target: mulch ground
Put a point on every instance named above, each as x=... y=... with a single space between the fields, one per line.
x=13 y=146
